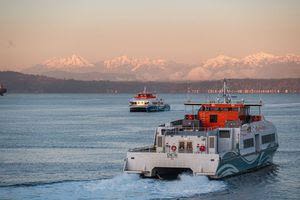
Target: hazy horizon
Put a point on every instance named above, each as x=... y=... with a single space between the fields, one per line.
x=184 y=31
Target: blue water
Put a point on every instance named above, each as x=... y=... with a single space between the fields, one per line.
x=72 y=146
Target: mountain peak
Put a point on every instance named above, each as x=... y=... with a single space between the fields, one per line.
x=259 y=59
x=136 y=63
x=261 y=55
x=71 y=61
x=220 y=61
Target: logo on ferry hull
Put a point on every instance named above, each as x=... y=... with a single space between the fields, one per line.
x=172 y=155
x=243 y=163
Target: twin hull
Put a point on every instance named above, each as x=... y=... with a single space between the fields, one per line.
x=151 y=164
x=149 y=108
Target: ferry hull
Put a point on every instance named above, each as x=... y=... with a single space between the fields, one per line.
x=232 y=163
x=150 y=164
x=155 y=164
x=149 y=108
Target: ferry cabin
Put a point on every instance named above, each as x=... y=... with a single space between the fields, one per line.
x=142 y=99
x=217 y=128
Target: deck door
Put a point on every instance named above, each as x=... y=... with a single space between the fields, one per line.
x=212 y=144
x=224 y=141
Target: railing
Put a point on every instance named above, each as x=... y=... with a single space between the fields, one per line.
x=144 y=149
x=179 y=130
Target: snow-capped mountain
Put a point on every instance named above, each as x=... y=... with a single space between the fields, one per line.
x=143 y=68
x=220 y=61
x=118 y=68
x=259 y=65
x=259 y=59
x=133 y=63
x=71 y=61
x=72 y=64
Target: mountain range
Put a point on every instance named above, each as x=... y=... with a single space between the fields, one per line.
x=16 y=82
x=125 y=68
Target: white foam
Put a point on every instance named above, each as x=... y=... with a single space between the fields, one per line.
x=127 y=186
x=123 y=186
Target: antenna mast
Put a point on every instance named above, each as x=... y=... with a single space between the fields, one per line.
x=226 y=95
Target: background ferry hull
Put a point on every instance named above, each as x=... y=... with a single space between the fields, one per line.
x=150 y=108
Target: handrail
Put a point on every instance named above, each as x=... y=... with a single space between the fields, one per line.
x=174 y=130
x=143 y=149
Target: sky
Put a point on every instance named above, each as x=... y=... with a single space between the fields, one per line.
x=188 y=31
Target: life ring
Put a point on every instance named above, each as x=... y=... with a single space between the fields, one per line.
x=202 y=148
x=173 y=148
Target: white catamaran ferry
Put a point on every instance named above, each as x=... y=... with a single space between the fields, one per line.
x=223 y=138
x=147 y=102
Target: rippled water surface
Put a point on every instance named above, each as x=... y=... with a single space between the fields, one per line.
x=72 y=146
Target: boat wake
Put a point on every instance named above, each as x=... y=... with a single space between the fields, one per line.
x=123 y=186
x=127 y=186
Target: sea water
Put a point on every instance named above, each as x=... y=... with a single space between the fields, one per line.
x=72 y=146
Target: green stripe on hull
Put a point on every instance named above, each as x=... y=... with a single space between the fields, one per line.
x=150 y=108
x=233 y=163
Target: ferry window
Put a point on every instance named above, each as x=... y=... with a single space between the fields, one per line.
x=248 y=143
x=254 y=110
x=224 y=134
x=159 y=141
x=268 y=138
x=243 y=112
x=181 y=145
x=235 y=109
x=211 y=142
x=189 y=146
x=246 y=111
x=213 y=118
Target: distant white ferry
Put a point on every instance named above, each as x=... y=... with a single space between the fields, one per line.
x=147 y=102
x=222 y=139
